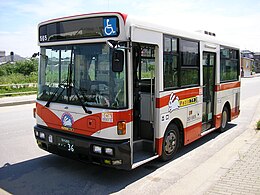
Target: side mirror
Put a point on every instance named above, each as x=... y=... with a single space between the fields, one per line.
x=118 y=61
x=35 y=55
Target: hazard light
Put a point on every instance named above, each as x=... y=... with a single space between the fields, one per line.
x=121 y=128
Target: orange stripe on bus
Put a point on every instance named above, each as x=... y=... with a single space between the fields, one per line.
x=192 y=133
x=158 y=144
x=86 y=125
x=235 y=112
x=225 y=86
x=163 y=101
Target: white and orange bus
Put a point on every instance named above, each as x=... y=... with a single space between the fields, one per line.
x=120 y=92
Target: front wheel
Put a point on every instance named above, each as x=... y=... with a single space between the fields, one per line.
x=224 y=120
x=171 y=142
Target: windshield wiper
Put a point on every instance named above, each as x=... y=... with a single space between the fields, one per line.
x=55 y=92
x=70 y=86
x=75 y=91
x=81 y=102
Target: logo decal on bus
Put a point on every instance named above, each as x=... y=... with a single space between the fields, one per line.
x=107 y=117
x=173 y=102
x=67 y=120
x=188 y=101
x=110 y=26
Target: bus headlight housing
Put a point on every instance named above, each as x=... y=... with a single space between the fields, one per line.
x=109 y=151
x=42 y=135
x=97 y=149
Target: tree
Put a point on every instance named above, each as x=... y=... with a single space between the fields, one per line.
x=26 y=67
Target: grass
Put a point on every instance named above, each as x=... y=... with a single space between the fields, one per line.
x=18 y=78
x=22 y=72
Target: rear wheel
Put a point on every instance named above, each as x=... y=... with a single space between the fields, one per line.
x=171 y=142
x=224 y=120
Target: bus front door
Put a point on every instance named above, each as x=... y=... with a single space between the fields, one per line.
x=209 y=62
x=144 y=105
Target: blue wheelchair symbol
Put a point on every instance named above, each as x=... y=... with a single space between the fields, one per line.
x=110 y=27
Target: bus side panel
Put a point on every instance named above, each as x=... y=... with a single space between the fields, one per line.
x=183 y=105
x=227 y=93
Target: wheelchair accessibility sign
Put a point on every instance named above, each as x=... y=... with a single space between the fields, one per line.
x=110 y=26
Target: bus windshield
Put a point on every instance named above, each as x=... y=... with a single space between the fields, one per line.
x=81 y=74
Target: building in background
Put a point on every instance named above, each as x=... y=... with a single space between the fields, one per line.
x=257 y=62
x=247 y=63
x=2 y=54
x=4 y=59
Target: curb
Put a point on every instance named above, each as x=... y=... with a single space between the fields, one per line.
x=17 y=103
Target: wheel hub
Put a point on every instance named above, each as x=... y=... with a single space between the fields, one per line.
x=170 y=143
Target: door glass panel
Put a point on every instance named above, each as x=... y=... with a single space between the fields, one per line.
x=208 y=87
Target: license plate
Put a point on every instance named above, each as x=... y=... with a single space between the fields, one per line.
x=65 y=144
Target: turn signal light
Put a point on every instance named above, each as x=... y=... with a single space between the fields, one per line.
x=121 y=128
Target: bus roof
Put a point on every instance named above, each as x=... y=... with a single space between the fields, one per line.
x=124 y=16
x=132 y=21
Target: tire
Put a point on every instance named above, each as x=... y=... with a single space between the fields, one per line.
x=171 y=142
x=224 y=120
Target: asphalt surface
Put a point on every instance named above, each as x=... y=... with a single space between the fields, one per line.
x=233 y=169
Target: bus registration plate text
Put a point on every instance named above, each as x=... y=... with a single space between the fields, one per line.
x=65 y=144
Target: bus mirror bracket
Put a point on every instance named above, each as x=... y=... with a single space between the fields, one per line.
x=115 y=44
x=112 y=44
x=35 y=55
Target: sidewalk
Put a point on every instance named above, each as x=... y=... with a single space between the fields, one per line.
x=17 y=100
x=243 y=177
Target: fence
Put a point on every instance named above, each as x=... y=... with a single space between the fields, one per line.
x=14 y=87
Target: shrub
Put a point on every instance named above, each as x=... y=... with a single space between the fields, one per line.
x=18 y=79
x=19 y=72
x=26 y=67
x=258 y=125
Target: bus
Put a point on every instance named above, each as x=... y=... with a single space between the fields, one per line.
x=119 y=92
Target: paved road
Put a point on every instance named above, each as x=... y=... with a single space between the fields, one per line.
x=25 y=169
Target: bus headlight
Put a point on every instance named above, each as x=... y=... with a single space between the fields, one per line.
x=50 y=139
x=109 y=151
x=42 y=135
x=97 y=149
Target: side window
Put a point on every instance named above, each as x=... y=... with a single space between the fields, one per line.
x=180 y=63
x=189 y=63
x=147 y=62
x=170 y=63
x=146 y=68
x=229 y=64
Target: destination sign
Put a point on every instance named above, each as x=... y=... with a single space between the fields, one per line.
x=85 y=28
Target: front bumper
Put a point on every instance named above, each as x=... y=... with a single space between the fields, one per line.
x=81 y=147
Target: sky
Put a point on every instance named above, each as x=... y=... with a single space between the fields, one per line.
x=233 y=21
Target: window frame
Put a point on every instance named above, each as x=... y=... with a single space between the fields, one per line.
x=180 y=65
x=232 y=60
